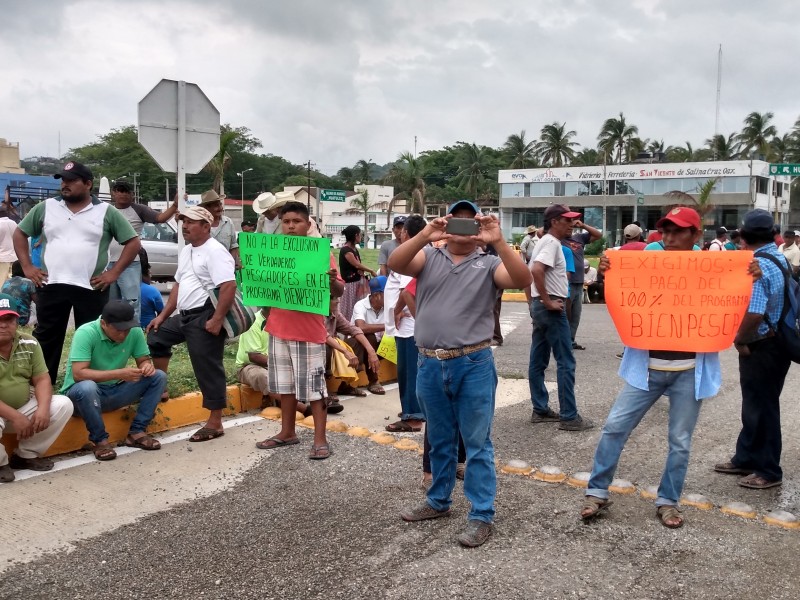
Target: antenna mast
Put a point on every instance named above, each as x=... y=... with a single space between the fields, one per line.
x=719 y=88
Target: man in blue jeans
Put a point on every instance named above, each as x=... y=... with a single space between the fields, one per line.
x=547 y=298
x=98 y=379
x=456 y=376
x=684 y=377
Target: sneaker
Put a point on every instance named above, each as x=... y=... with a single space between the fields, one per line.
x=34 y=464
x=550 y=416
x=422 y=512
x=475 y=534
x=576 y=424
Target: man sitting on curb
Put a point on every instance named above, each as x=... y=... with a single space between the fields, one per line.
x=27 y=404
x=98 y=379
x=357 y=350
x=252 y=361
x=368 y=317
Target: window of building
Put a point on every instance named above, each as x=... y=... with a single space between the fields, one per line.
x=526 y=218
x=371 y=219
x=512 y=190
x=762 y=185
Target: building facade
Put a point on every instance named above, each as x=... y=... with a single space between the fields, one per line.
x=612 y=196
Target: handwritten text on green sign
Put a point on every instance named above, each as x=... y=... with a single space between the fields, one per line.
x=285 y=271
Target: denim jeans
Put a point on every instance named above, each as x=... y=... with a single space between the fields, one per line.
x=128 y=286
x=576 y=308
x=629 y=408
x=407 y=379
x=92 y=399
x=551 y=332
x=458 y=395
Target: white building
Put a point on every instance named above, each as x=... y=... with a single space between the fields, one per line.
x=612 y=196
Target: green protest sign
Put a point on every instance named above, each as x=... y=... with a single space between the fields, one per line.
x=285 y=271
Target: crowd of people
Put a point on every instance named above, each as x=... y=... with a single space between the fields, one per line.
x=429 y=283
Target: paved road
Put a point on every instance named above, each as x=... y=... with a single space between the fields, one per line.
x=225 y=521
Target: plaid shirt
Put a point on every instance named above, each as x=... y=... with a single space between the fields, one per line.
x=767 y=296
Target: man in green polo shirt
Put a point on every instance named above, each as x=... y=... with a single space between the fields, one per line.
x=98 y=379
x=27 y=404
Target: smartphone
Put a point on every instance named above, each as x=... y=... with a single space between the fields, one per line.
x=462 y=226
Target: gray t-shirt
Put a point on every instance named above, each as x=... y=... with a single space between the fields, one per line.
x=548 y=252
x=225 y=234
x=137 y=215
x=455 y=303
x=577 y=243
x=387 y=248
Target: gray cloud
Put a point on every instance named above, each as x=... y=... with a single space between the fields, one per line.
x=340 y=81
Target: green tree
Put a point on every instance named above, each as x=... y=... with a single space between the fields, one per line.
x=361 y=204
x=555 y=146
x=474 y=168
x=408 y=176
x=614 y=134
x=362 y=171
x=520 y=153
x=723 y=148
x=681 y=153
x=587 y=157
x=756 y=133
x=780 y=148
x=701 y=202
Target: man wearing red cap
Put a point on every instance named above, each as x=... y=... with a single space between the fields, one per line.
x=684 y=377
x=547 y=298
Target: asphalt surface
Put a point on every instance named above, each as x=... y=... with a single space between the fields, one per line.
x=294 y=528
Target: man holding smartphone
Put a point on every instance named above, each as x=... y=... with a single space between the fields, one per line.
x=456 y=377
x=547 y=298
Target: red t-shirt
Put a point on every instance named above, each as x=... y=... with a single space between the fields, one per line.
x=411 y=288
x=298 y=326
x=633 y=246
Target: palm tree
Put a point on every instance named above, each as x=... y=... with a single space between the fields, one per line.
x=614 y=134
x=359 y=204
x=519 y=151
x=555 y=146
x=407 y=175
x=756 y=133
x=701 y=202
x=222 y=160
x=681 y=153
x=362 y=171
x=780 y=148
x=473 y=168
x=587 y=157
x=723 y=148
x=656 y=146
x=634 y=146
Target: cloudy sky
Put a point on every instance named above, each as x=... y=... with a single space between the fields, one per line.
x=336 y=81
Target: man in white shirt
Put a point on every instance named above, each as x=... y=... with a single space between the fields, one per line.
x=790 y=250
x=718 y=244
x=222 y=228
x=203 y=265
x=368 y=317
x=547 y=298
x=266 y=206
x=7 y=254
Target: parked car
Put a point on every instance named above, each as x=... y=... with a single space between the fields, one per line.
x=160 y=241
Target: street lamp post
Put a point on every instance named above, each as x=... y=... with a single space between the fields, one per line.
x=242 y=197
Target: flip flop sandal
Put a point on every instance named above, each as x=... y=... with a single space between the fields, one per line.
x=756 y=482
x=274 y=442
x=104 y=452
x=596 y=506
x=667 y=512
x=377 y=389
x=205 y=434
x=349 y=390
x=320 y=452
x=403 y=427
x=144 y=442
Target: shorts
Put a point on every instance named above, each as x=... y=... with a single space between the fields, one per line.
x=297 y=368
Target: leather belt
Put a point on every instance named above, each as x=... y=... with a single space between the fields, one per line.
x=443 y=354
x=194 y=311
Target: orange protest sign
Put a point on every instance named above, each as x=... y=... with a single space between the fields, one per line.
x=683 y=301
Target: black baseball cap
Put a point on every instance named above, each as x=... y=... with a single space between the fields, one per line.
x=120 y=315
x=74 y=170
x=399 y=220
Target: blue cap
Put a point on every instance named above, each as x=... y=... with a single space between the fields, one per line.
x=757 y=219
x=463 y=204
x=376 y=284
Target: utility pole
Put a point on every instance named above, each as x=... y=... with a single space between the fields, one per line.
x=308 y=186
x=415 y=146
x=135 y=188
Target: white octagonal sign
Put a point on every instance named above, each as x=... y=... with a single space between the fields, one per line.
x=160 y=121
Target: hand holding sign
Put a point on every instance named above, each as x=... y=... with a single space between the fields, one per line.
x=683 y=301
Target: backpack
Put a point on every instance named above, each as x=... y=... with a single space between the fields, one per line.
x=788 y=326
